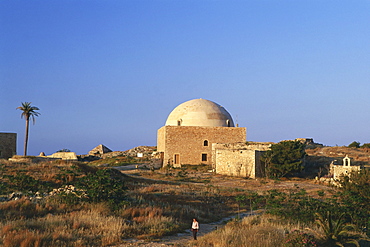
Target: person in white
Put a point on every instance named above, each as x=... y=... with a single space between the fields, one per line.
x=195 y=228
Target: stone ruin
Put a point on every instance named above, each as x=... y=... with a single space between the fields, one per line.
x=99 y=150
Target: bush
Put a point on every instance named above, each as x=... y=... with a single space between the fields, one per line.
x=299 y=238
x=354 y=145
x=103 y=186
x=365 y=145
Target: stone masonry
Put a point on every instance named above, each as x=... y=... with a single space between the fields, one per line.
x=8 y=145
x=193 y=144
x=239 y=159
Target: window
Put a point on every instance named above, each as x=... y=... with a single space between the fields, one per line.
x=176 y=159
x=228 y=123
x=204 y=157
x=179 y=122
x=205 y=143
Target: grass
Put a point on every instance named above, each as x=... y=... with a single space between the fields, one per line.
x=80 y=228
x=254 y=231
x=149 y=210
x=152 y=205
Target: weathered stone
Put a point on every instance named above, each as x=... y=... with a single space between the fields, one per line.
x=239 y=159
x=8 y=145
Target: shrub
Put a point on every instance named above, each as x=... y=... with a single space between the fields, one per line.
x=354 y=144
x=299 y=238
x=103 y=186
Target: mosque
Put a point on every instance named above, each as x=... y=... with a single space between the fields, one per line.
x=192 y=128
x=200 y=131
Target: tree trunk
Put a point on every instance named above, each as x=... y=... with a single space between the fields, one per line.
x=26 y=137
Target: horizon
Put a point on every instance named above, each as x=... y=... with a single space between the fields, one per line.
x=110 y=72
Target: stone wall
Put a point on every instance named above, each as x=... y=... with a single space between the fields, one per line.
x=193 y=144
x=8 y=145
x=239 y=159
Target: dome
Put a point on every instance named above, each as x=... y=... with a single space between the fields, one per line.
x=200 y=112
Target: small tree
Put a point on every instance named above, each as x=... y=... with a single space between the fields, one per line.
x=354 y=144
x=28 y=112
x=365 y=145
x=284 y=158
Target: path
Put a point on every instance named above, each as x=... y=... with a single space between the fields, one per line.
x=185 y=239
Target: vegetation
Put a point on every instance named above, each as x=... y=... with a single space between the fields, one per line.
x=63 y=150
x=100 y=207
x=119 y=161
x=336 y=233
x=284 y=158
x=260 y=231
x=28 y=112
x=365 y=145
x=75 y=204
x=354 y=144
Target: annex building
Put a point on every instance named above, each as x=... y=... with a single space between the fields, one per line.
x=192 y=128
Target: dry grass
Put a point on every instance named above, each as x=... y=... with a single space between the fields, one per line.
x=153 y=208
x=253 y=231
x=81 y=228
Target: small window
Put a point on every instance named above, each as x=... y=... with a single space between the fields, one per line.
x=179 y=122
x=228 y=123
x=205 y=143
x=204 y=157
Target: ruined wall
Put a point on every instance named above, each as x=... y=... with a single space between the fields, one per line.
x=193 y=144
x=8 y=145
x=239 y=159
x=71 y=156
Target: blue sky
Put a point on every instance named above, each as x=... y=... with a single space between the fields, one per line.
x=109 y=72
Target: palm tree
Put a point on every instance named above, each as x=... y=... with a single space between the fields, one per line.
x=337 y=232
x=28 y=112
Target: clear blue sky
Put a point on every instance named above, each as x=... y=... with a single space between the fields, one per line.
x=110 y=72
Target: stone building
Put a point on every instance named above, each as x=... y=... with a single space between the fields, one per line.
x=192 y=128
x=239 y=159
x=336 y=171
x=8 y=145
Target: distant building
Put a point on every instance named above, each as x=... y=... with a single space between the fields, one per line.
x=336 y=171
x=8 y=145
x=100 y=150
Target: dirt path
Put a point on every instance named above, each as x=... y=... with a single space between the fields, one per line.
x=185 y=239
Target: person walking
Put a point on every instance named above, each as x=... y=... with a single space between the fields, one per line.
x=195 y=228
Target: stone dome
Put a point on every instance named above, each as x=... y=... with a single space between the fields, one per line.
x=200 y=112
